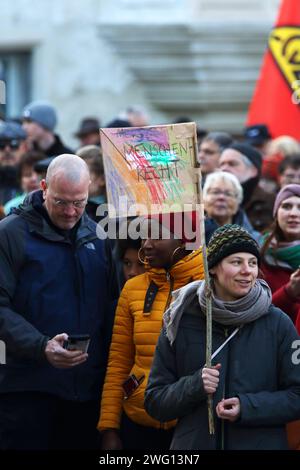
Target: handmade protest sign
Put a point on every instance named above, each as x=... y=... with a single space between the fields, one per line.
x=150 y=169
x=153 y=170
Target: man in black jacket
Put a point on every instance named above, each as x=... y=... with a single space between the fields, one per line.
x=39 y=121
x=57 y=278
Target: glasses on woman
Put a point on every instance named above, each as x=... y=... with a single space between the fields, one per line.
x=218 y=192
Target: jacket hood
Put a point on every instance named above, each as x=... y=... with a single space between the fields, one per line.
x=27 y=209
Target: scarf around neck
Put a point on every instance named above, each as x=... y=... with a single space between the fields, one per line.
x=285 y=254
x=237 y=312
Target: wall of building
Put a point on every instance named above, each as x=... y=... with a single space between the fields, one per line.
x=95 y=57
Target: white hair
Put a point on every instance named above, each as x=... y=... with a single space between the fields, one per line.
x=70 y=166
x=215 y=177
x=284 y=144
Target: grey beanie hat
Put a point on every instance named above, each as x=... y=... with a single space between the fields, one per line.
x=42 y=113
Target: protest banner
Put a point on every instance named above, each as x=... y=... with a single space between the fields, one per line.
x=150 y=169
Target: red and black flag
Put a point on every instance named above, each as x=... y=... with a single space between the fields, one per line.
x=276 y=100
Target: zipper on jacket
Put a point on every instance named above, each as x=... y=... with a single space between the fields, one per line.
x=78 y=292
x=171 y=281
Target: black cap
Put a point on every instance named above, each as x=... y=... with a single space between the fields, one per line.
x=249 y=152
x=118 y=123
x=42 y=165
x=257 y=134
x=87 y=126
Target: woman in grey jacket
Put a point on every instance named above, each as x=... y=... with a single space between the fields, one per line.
x=255 y=381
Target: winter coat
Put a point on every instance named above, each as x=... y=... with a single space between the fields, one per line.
x=256 y=367
x=137 y=326
x=51 y=285
x=278 y=277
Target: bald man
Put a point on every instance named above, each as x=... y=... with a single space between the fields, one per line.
x=57 y=278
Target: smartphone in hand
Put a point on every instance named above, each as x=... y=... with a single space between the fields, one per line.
x=77 y=343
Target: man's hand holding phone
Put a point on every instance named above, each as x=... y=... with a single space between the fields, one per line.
x=63 y=358
x=77 y=343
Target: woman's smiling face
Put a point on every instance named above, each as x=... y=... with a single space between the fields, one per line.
x=235 y=276
x=288 y=217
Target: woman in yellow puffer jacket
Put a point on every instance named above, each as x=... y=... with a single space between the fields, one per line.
x=123 y=422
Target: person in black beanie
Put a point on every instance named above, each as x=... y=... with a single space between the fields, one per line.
x=228 y=240
x=254 y=380
x=245 y=162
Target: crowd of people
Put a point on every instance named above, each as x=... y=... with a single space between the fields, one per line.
x=142 y=381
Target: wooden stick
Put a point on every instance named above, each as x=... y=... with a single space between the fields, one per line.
x=208 y=294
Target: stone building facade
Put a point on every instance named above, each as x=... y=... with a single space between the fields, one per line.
x=198 y=58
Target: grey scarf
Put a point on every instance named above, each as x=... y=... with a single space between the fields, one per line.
x=238 y=312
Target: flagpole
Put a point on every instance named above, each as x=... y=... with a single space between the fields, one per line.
x=208 y=295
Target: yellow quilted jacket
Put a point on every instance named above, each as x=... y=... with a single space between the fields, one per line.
x=137 y=326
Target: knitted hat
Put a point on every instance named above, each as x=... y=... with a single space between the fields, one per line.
x=42 y=113
x=287 y=191
x=249 y=152
x=227 y=240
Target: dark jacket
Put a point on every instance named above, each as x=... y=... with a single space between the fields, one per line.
x=257 y=367
x=9 y=184
x=51 y=285
x=278 y=278
x=57 y=148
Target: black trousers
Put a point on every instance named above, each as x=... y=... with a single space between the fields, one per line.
x=40 y=421
x=137 y=437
